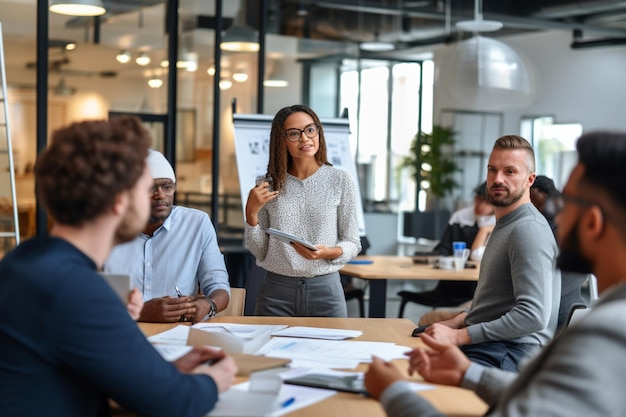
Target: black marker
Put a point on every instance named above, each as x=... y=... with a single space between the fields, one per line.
x=419 y=330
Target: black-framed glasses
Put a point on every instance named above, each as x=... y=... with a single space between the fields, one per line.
x=556 y=203
x=167 y=189
x=294 y=134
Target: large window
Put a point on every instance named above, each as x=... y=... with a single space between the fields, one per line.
x=554 y=145
x=387 y=103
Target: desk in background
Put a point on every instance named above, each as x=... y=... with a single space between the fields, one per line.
x=398 y=267
x=450 y=400
x=228 y=204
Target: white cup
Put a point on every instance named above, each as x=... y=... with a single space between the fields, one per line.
x=446 y=262
x=459 y=263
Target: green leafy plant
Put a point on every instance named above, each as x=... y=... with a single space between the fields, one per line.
x=431 y=160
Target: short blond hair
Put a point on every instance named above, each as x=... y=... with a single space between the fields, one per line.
x=517 y=142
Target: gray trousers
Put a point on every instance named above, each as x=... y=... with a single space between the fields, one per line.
x=320 y=296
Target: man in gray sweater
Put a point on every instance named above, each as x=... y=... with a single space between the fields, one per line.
x=581 y=372
x=515 y=306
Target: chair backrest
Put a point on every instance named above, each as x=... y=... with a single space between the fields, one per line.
x=593 y=288
x=254 y=280
x=236 y=304
x=577 y=312
x=457 y=288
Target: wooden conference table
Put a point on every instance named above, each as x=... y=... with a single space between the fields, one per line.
x=398 y=267
x=451 y=401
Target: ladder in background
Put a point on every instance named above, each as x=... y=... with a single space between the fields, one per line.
x=9 y=220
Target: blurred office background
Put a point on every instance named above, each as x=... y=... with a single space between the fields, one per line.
x=547 y=70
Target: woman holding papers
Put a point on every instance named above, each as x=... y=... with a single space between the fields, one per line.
x=308 y=199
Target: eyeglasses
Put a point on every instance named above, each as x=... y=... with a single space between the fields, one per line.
x=167 y=189
x=294 y=135
x=556 y=203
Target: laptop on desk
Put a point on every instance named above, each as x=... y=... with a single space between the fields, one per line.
x=420 y=257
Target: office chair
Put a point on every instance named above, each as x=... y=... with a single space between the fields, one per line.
x=236 y=305
x=576 y=312
x=446 y=293
x=350 y=291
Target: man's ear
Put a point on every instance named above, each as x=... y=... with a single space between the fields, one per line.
x=531 y=179
x=593 y=222
x=121 y=203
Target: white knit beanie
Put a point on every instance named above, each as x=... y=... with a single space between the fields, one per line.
x=159 y=166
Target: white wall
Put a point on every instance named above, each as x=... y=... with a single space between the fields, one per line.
x=585 y=86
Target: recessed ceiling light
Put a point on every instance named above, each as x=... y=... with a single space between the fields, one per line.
x=143 y=59
x=123 y=57
x=155 y=82
x=377 y=46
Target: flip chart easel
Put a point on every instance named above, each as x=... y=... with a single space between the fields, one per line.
x=252 y=145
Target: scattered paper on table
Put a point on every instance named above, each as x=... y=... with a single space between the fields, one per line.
x=318 y=333
x=174 y=336
x=238 y=401
x=172 y=352
x=331 y=353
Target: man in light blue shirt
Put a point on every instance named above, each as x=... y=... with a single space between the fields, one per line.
x=175 y=262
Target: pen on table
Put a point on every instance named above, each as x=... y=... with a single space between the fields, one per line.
x=288 y=402
x=178 y=293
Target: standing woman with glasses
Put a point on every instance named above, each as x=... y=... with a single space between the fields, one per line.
x=305 y=196
x=175 y=262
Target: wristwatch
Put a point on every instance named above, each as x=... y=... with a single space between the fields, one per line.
x=212 y=309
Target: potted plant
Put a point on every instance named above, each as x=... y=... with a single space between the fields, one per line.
x=431 y=161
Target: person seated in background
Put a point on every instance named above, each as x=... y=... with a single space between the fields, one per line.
x=472 y=225
x=465 y=225
x=73 y=345
x=175 y=262
x=581 y=372
x=541 y=191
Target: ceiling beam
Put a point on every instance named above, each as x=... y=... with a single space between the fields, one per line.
x=512 y=22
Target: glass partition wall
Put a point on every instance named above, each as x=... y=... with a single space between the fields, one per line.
x=118 y=64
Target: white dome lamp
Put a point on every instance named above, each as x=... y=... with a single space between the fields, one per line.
x=484 y=72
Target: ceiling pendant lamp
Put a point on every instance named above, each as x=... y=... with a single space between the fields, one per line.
x=240 y=37
x=377 y=45
x=277 y=77
x=78 y=7
x=478 y=24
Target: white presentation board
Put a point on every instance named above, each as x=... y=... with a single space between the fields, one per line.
x=252 y=146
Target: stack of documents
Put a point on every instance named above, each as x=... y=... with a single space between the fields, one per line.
x=318 y=333
x=307 y=347
x=233 y=338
